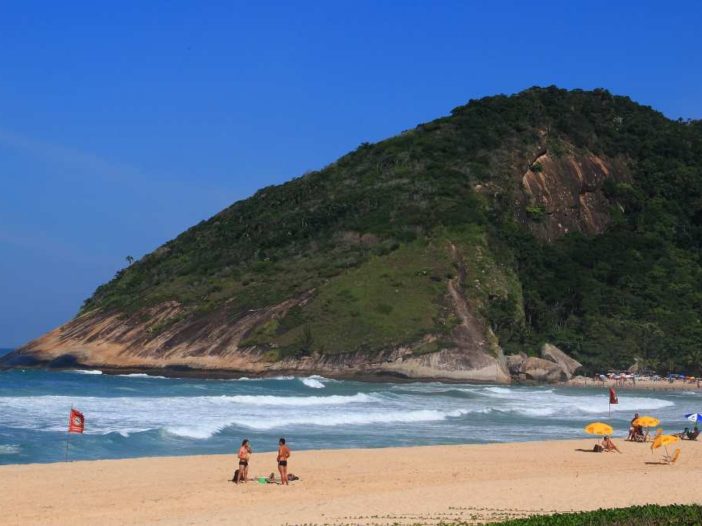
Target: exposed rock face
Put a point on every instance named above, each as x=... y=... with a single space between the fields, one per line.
x=553 y=366
x=163 y=337
x=566 y=363
x=515 y=361
x=563 y=194
x=540 y=370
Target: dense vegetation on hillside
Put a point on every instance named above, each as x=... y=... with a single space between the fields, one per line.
x=371 y=236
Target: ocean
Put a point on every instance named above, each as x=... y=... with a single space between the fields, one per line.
x=136 y=415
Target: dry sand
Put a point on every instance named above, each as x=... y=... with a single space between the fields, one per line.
x=377 y=486
x=628 y=385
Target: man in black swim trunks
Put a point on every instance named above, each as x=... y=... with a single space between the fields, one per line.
x=244 y=456
x=283 y=456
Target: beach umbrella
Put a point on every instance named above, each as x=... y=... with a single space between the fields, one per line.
x=599 y=428
x=664 y=441
x=646 y=421
x=694 y=417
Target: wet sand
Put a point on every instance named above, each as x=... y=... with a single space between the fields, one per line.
x=422 y=485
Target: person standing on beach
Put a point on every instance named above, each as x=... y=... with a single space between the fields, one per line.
x=244 y=456
x=283 y=456
x=632 y=428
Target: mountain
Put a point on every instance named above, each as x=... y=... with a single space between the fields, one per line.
x=567 y=217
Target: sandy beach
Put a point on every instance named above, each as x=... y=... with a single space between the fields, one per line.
x=362 y=487
x=640 y=385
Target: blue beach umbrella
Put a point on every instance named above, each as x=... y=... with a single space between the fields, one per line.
x=694 y=417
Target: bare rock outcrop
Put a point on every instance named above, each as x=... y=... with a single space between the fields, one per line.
x=515 y=361
x=564 y=193
x=566 y=363
x=540 y=370
x=553 y=366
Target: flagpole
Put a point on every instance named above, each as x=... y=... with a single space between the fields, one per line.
x=68 y=433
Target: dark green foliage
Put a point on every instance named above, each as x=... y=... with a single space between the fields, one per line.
x=649 y=515
x=535 y=213
x=370 y=235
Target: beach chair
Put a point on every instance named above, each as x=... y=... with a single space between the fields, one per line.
x=640 y=437
x=674 y=457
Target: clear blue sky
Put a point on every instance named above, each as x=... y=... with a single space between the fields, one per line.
x=123 y=123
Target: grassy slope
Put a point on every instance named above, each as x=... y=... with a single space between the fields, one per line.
x=370 y=234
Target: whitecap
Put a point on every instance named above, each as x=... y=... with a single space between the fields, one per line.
x=106 y=415
x=345 y=419
x=9 y=449
x=142 y=375
x=312 y=382
x=84 y=371
x=498 y=390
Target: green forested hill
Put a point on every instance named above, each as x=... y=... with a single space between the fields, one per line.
x=573 y=217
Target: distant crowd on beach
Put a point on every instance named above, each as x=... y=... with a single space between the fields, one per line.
x=622 y=378
x=244 y=455
x=646 y=381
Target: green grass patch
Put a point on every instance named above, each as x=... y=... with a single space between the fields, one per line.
x=649 y=515
x=386 y=301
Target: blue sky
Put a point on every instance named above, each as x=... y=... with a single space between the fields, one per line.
x=123 y=123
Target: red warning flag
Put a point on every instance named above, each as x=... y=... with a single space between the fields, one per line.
x=613 y=396
x=76 y=422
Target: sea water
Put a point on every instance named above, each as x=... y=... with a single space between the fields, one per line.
x=137 y=415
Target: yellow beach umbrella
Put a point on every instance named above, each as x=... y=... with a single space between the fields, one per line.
x=599 y=428
x=646 y=421
x=664 y=440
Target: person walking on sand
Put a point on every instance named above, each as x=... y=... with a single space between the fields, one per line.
x=244 y=456
x=283 y=456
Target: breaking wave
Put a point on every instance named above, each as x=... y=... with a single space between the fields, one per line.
x=9 y=449
x=138 y=414
x=142 y=375
x=315 y=382
x=106 y=415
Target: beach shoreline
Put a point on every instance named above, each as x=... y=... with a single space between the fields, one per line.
x=640 y=385
x=227 y=374
x=383 y=486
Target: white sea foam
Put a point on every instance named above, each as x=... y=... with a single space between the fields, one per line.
x=499 y=390
x=9 y=449
x=142 y=375
x=313 y=382
x=164 y=412
x=84 y=371
x=345 y=419
x=196 y=416
x=545 y=402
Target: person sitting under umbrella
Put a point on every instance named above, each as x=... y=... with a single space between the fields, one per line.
x=689 y=435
